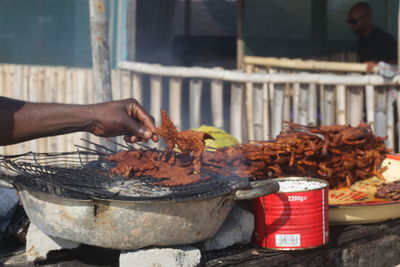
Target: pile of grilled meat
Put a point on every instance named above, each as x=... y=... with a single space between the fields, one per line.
x=340 y=154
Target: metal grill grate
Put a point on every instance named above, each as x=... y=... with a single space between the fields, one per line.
x=86 y=175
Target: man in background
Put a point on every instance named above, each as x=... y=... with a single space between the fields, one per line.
x=374 y=44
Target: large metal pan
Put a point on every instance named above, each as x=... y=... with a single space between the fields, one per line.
x=127 y=225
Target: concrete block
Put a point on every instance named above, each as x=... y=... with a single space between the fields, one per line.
x=237 y=229
x=161 y=257
x=38 y=244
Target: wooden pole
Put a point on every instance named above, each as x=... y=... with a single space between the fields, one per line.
x=239 y=27
x=340 y=104
x=156 y=98
x=126 y=86
x=305 y=64
x=398 y=35
x=296 y=99
x=195 y=89
x=137 y=87
x=100 y=54
x=328 y=107
x=303 y=104
x=277 y=110
x=287 y=102
x=390 y=119
x=355 y=105
x=258 y=111
x=380 y=111
x=175 y=101
x=236 y=110
x=312 y=105
x=249 y=105
x=115 y=84
x=217 y=103
x=370 y=103
x=100 y=49
x=270 y=77
x=266 y=112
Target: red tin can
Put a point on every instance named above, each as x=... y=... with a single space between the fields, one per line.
x=296 y=217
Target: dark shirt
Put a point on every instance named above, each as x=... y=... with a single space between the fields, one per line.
x=378 y=46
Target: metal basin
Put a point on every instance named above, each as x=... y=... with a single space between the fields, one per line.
x=126 y=225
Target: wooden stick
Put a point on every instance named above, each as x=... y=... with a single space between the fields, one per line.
x=235 y=76
x=195 y=90
x=249 y=105
x=355 y=105
x=137 y=87
x=370 y=103
x=240 y=36
x=296 y=99
x=266 y=112
x=340 y=104
x=287 y=102
x=175 y=101
x=277 y=109
x=306 y=64
x=322 y=109
x=303 y=104
x=217 y=103
x=237 y=110
x=156 y=98
x=328 y=106
x=125 y=84
x=380 y=111
x=390 y=118
x=312 y=102
x=115 y=84
x=257 y=111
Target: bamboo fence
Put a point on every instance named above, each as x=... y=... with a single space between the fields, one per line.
x=259 y=101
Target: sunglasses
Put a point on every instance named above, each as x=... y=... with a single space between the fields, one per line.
x=354 y=21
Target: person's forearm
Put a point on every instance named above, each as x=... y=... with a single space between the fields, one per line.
x=22 y=121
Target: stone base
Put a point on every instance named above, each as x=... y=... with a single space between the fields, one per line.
x=161 y=257
x=39 y=244
x=237 y=229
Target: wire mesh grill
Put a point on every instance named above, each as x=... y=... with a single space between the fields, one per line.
x=86 y=175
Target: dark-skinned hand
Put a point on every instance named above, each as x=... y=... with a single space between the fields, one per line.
x=123 y=117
